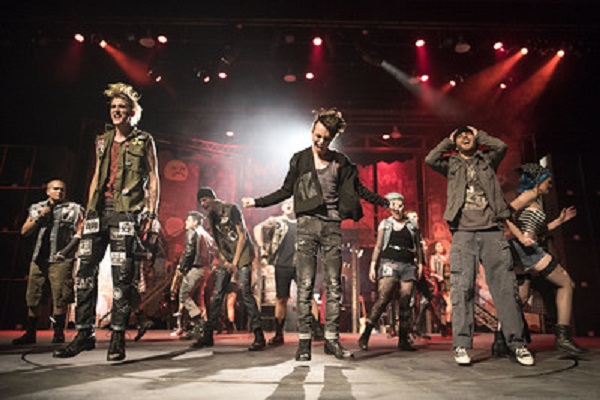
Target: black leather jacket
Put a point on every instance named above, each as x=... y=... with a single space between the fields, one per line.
x=302 y=182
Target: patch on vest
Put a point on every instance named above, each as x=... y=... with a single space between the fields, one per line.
x=126 y=228
x=85 y=247
x=91 y=226
x=118 y=258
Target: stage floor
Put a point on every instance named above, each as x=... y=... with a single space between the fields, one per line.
x=162 y=367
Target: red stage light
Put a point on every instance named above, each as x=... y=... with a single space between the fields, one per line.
x=452 y=83
x=206 y=79
x=223 y=75
x=385 y=136
x=310 y=76
x=79 y=37
x=317 y=41
x=103 y=43
x=420 y=43
x=503 y=86
x=230 y=134
x=560 y=53
x=499 y=46
x=524 y=50
x=162 y=39
x=424 y=78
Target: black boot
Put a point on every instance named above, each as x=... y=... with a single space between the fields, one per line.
x=303 y=353
x=403 y=339
x=499 y=347
x=142 y=324
x=259 y=340
x=30 y=335
x=277 y=340
x=318 y=330
x=59 y=328
x=206 y=340
x=404 y=342
x=85 y=340
x=564 y=341
x=333 y=347
x=197 y=329
x=363 y=340
x=116 y=347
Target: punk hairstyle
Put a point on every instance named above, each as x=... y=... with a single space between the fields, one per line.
x=127 y=93
x=197 y=216
x=531 y=174
x=332 y=120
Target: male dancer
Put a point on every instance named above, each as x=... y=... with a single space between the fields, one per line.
x=476 y=211
x=326 y=190
x=123 y=199
x=58 y=224
x=236 y=253
x=194 y=270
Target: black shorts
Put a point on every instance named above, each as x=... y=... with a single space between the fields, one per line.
x=283 y=279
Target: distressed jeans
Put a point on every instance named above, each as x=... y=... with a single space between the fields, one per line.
x=491 y=248
x=315 y=234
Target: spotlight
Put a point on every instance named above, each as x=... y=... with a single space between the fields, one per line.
x=420 y=43
x=202 y=75
x=560 y=53
x=162 y=39
x=230 y=133
x=310 y=76
x=102 y=43
x=503 y=86
x=452 y=83
x=79 y=37
x=317 y=41
x=395 y=133
x=154 y=75
x=385 y=136
x=424 y=78
x=499 y=46
x=524 y=50
x=222 y=75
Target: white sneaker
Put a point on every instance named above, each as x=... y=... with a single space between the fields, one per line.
x=461 y=356
x=524 y=357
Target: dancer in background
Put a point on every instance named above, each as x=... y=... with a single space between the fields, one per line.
x=58 y=224
x=396 y=262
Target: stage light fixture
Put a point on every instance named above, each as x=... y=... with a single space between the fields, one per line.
x=499 y=46
x=79 y=37
x=222 y=75
x=230 y=133
x=424 y=78
x=310 y=76
x=395 y=133
x=524 y=50
x=560 y=53
x=502 y=86
x=317 y=41
x=385 y=136
x=420 y=43
x=452 y=83
x=102 y=43
x=162 y=39
x=147 y=42
x=462 y=46
x=290 y=77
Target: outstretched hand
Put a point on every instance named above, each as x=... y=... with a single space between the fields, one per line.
x=567 y=214
x=248 y=202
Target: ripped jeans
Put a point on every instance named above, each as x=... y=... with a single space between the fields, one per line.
x=119 y=229
x=315 y=234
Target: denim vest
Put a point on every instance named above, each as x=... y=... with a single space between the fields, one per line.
x=62 y=225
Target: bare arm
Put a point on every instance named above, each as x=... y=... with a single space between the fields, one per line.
x=153 y=180
x=94 y=182
x=565 y=215
x=524 y=238
x=240 y=244
x=523 y=200
x=375 y=256
x=31 y=224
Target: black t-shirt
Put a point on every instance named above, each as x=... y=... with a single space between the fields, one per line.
x=476 y=213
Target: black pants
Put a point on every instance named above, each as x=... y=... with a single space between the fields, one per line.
x=119 y=230
x=220 y=290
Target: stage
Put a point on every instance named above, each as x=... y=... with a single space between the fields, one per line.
x=162 y=367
